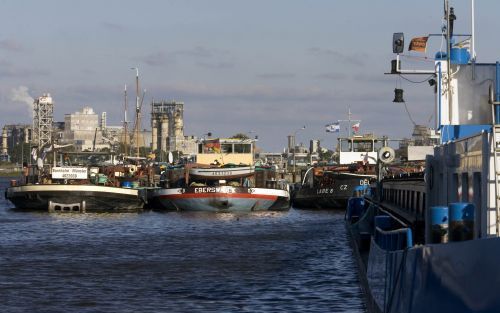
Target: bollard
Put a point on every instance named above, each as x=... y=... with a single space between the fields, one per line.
x=461 y=225
x=439 y=224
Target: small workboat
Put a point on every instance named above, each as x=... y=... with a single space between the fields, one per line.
x=225 y=172
x=330 y=186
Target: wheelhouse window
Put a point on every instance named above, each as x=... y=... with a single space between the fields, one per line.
x=242 y=148
x=226 y=148
x=345 y=145
x=363 y=146
x=209 y=146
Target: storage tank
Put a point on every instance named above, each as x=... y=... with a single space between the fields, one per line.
x=461 y=224
x=438 y=227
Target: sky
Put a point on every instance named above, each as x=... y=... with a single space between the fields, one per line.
x=261 y=67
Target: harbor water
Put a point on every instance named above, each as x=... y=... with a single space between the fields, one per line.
x=295 y=261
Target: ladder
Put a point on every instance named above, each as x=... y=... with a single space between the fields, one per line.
x=495 y=130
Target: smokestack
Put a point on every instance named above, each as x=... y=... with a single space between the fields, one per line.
x=164 y=134
x=4 y=141
x=154 y=134
x=291 y=142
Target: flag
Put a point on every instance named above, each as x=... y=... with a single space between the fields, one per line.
x=418 y=44
x=333 y=128
x=355 y=127
x=33 y=154
x=463 y=44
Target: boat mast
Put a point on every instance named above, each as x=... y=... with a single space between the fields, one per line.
x=350 y=125
x=449 y=33
x=137 y=111
x=125 y=122
x=472 y=39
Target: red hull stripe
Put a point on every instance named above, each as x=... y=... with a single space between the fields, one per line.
x=215 y=194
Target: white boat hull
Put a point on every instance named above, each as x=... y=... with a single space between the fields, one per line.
x=68 y=198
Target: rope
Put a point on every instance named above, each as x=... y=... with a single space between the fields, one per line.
x=430 y=118
x=409 y=115
x=416 y=82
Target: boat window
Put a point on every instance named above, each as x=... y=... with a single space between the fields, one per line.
x=345 y=145
x=210 y=146
x=378 y=144
x=227 y=148
x=242 y=148
x=363 y=146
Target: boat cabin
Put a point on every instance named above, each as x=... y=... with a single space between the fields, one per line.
x=222 y=151
x=356 y=149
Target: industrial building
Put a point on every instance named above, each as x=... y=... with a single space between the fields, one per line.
x=13 y=135
x=43 y=117
x=82 y=129
x=167 y=126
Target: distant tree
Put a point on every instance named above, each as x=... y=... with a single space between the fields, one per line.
x=325 y=155
x=239 y=136
x=20 y=153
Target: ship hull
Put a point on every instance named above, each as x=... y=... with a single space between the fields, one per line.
x=72 y=198
x=219 y=199
x=331 y=196
x=443 y=277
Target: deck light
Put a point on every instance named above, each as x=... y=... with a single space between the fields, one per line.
x=398 y=43
x=398 y=95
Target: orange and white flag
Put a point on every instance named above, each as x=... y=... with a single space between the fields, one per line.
x=418 y=44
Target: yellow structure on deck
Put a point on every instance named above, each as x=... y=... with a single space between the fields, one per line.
x=226 y=150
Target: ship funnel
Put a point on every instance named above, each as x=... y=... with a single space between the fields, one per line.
x=398 y=95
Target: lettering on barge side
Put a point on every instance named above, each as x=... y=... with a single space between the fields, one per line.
x=222 y=173
x=69 y=173
x=212 y=190
x=364 y=182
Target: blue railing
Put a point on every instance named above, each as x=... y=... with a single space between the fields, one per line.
x=391 y=239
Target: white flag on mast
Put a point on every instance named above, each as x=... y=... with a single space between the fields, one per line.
x=333 y=128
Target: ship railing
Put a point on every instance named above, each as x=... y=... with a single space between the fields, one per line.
x=388 y=238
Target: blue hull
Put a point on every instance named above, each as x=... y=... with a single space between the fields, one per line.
x=451 y=277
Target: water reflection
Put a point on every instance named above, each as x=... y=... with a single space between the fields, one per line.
x=295 y=261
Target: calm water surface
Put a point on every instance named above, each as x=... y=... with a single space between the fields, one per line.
x=296 y=261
